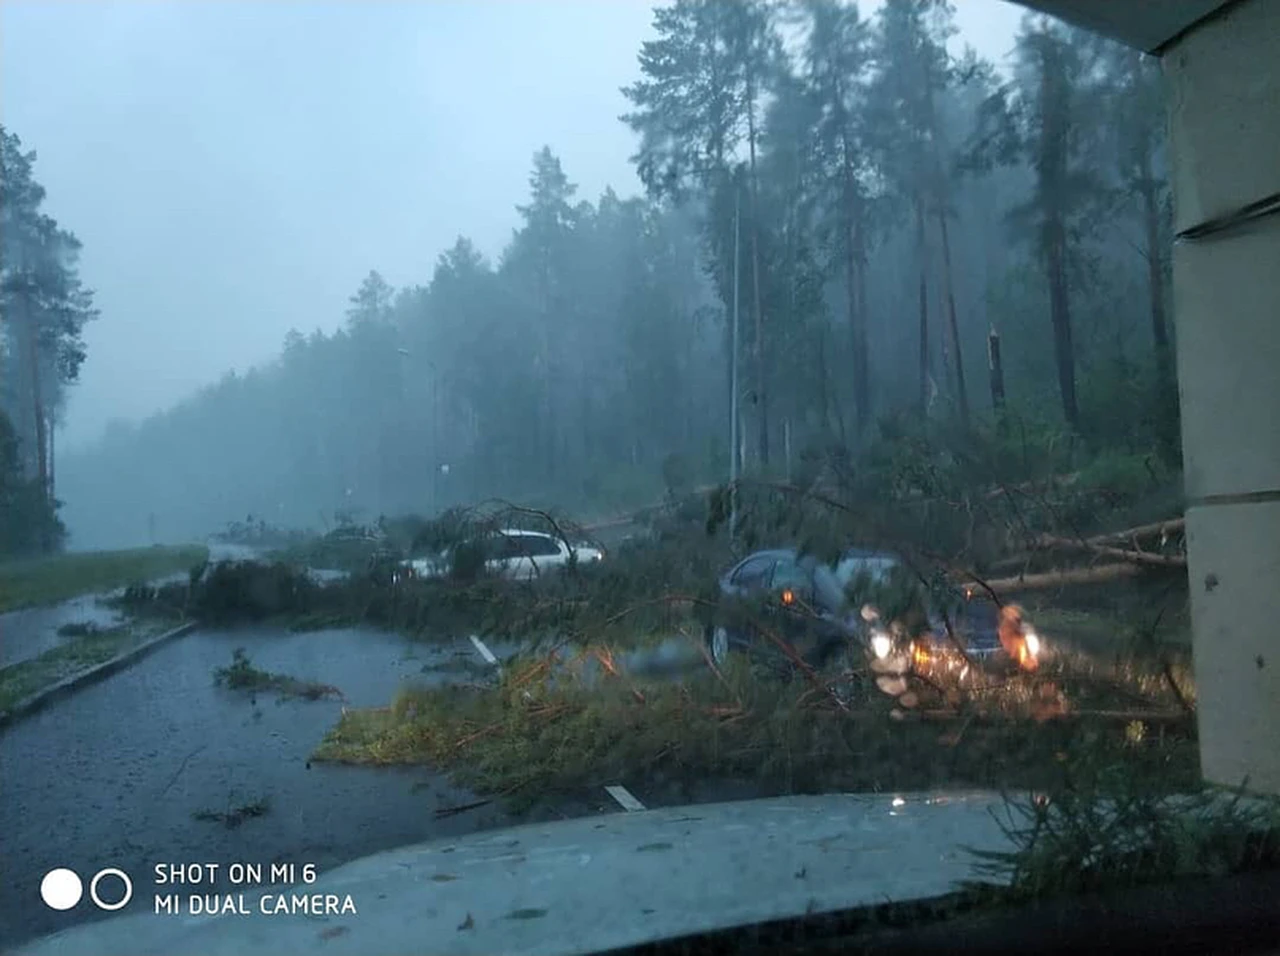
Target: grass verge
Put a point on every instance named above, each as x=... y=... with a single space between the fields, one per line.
x=87 y=649
x=543 y=732
x=58 y=578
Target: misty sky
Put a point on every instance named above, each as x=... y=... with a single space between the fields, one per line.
x=235 y=168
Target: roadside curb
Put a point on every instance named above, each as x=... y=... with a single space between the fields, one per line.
x=69 y=685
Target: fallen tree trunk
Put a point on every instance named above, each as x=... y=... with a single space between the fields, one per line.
x=1101 y=544
x=1051 y=543
x=1141 y=531
x=1006 y=717
x=1062 y=578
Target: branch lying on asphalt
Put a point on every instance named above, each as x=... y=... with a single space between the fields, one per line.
x=462 y=808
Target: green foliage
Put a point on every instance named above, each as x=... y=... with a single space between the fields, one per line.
x=29 y=522
x=1107 y=823
x=43 y=310
x=49 y=580
x=241 y=675
x=900 y=597
x=1125 y=408
x=233 y=592
x=544 y=729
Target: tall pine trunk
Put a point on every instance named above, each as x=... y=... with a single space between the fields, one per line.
x=856 y=293
x=855 y=336
x=762 y=395
x=1155 y=278
x=855 y=283
x=37 y=397
x=957 y=355
x=1060 y=314
x=52 y=431
x=952 y=339
x=1051 y=162
x=863 y=369
x=922 y=255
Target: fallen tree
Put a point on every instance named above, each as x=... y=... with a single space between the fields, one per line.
x=1105 y=545
x=1065 y=577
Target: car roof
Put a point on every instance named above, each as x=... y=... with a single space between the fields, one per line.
x=863 y=554
x=523 y=533
x=780 y=554
x=775 y=553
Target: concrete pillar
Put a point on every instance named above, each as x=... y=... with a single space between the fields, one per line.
x=1224 y=87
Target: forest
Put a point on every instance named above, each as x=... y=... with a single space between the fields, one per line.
x=43 y=309
x=907 y=237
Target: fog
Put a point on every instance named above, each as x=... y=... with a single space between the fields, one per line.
x=264 y=193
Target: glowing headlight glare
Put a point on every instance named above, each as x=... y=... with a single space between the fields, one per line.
x=1033 y=643
x=881 y=645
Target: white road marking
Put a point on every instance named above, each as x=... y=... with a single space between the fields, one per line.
x=484 y=651
x=624 y=798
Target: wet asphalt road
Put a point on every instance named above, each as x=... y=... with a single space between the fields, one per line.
x=29 y=632
x=112 y=775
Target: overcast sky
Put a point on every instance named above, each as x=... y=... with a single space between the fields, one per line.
x=235 y=168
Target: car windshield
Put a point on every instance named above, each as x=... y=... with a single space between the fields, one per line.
x=876 y=567
x=423 y=420
x=830 y=591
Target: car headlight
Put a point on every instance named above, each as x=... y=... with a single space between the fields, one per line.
x=1033 y=642
x=881 y=644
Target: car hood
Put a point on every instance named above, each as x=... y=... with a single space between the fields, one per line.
x=595 y=883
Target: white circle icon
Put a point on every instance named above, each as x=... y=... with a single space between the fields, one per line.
x=124 y=878
x=61 y=889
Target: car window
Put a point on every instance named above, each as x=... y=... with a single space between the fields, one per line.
x=827 y=588
x=876 y=567
x=502 y=548
x=753 y=572
x=537 y=545
x=789 y=574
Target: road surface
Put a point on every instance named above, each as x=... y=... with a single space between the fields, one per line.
x=113 y=775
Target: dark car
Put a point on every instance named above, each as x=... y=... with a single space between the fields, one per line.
x=981 y=631
x=779 y=602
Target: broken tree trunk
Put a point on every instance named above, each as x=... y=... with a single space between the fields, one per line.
x=996 y=370
x=1049 y=543
x=1133 y=536
x=922 y=254
x=1063 y=578
x=1161 y=528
